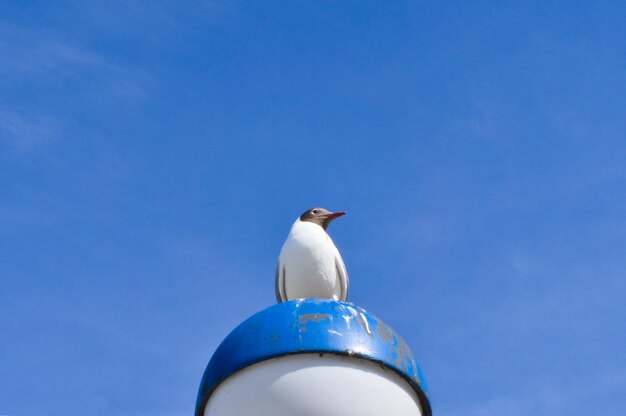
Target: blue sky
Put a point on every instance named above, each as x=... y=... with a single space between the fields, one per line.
x=153 y=157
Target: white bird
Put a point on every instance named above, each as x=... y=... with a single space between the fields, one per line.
x=309 y=264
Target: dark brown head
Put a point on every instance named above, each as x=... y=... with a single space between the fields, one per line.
x=320 y=216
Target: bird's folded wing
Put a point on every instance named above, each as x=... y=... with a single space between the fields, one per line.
x=281 y=295
x=342 y=273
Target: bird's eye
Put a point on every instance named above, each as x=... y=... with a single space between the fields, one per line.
x=316 y=211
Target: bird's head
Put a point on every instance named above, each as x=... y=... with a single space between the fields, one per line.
x=320 y=216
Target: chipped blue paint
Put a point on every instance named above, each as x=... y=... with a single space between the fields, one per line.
x=311 y=326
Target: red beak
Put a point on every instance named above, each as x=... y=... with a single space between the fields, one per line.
x=334 y=215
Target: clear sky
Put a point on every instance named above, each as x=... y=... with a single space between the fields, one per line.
x=153 y=157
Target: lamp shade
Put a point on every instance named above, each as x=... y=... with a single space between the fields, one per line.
x=312 y=356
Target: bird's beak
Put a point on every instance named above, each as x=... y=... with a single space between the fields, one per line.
x=334 y=215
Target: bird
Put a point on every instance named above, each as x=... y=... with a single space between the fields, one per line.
x=309 y=264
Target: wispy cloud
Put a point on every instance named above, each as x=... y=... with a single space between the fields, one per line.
x=26 y=132
x=41 y=67
x=47 y=59
x=27 y=53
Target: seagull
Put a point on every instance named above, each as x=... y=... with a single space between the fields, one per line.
x=309 y=264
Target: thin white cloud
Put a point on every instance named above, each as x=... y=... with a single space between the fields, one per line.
x=26 y=132
x=27 y=53
x=38 y=58
x=37 y=64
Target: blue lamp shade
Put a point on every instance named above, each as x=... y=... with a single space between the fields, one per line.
x=306 y=326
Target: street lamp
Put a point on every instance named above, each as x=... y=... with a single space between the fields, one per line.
x=312 y=357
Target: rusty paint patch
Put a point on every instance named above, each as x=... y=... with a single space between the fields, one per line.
x=404 y=354
x=352 y=310
x=313 y=317
x=362 y=320
x=385 y=333
x=275 y=339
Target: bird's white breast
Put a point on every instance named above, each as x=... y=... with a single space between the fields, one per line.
x=308 y=258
